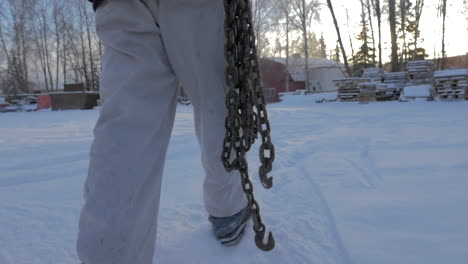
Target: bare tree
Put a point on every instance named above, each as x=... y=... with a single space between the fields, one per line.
x=42 y=33
x=378 y=14
x=304 y=13
x=337 y=28
x=349 y=34
x=369 y=13
x=41 y=44
x=418 y=12
x=14 y=38
x=264 y=15
x=285 y=7
x=443 y=11
x=57 y=10
x=393 y=35
x=404 y=52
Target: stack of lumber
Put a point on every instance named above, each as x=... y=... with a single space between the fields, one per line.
x=348 y=88
x=452 y=84
x=395 y=77
x=421 y=84
x=374 y=74
x=395 y=82
x=367 y=92
x=421 y=72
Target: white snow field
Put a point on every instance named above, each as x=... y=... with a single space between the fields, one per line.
x=353 y=183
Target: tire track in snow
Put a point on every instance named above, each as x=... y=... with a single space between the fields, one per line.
x=369 y=160
x=332 y=245
x=331 y=222
x=362 y=174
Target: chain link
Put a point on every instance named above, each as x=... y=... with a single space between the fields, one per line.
x=247 y=116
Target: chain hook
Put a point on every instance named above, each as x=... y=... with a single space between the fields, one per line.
x=259 y=237
x=266 y=181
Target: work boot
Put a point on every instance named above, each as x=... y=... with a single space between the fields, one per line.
x=228 y=230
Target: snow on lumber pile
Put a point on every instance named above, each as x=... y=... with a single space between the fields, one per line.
x=395 y=77
x=420 y=91
x=421 y=72
x=421 y=84
x=348 y=89
x=374 y=74
x=395 y=81
x=452 y=84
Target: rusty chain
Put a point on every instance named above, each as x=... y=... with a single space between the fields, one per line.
x=247 y=116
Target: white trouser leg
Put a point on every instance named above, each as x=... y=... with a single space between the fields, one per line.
x=118 y=220
x=193 y=32
x=138 y=88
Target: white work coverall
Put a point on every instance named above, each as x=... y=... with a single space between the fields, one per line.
x=149 y=46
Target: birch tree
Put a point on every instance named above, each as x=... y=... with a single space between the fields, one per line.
x=337 y=28
x=305 y=11
x=443 y=11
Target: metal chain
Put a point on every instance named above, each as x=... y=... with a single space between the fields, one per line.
x=247 y=116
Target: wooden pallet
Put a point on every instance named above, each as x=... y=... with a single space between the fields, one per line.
x=348 y=88
x=452 y=94
x=421 y=72
x=374 y=74
x=452 y=84
x=395 y=77
x=367 y=92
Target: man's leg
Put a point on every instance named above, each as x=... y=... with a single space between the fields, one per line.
x=194 y=35
x=138 y=88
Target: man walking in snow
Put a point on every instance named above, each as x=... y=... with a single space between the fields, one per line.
x=150 y=45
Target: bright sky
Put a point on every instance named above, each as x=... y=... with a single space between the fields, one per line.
x=456 y=38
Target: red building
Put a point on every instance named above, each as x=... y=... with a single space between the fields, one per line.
x=321 y=73
x=273 y=77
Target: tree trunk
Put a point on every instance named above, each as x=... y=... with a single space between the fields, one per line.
x=306 y=45
x=46 y=49
x=286 y=69
x=84 y=65
x=345 y=59
x=378 y=12
x=57 y=44
x=404 y=56
x=419 y=7
x=350 y=39
x=444 y=13
x=90 y=50
x=392 y=19
x=369 y=11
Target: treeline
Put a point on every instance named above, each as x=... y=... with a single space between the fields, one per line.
x=46 y=43
x=294 y=20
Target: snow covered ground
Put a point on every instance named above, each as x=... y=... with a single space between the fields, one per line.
x=353 y=183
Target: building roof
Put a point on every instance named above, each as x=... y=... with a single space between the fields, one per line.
x=296 y=65
x=313 y=62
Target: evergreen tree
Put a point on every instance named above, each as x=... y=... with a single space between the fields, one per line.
x=409 y=33
x=336 y=53
x=364 y=57
x=323 y=47
x=313 y=45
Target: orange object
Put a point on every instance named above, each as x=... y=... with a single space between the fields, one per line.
x=44 y=102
